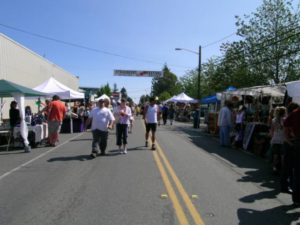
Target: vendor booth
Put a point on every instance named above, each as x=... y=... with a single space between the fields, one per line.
x=183 y=103
x=18 y=92
x=183 y=98
x=211 y=115
x=104 y=96
x=53 y=87
x=258 y=102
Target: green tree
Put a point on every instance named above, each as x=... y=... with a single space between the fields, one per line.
x=164 y=96
x=124 y=93
x=129 y=100
x=212 y=79
x=115 y=88
x=144 y=99
x=188 y=83
x=271 y=40
x=235 y=69
x=168 y=82
x=105 y=89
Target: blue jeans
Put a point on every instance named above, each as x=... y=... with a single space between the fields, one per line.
x=224 y=135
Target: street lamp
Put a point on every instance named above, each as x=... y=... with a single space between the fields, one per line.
x=199 y=67
x=197 y=117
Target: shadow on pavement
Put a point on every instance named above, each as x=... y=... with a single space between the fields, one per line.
x=70 y=158
x=276 y=216
x=10 y=152
x=138 y=148
x=210 y=144
x=82 y=139
x=257 y=170
x=117 y=151
x=265 y=180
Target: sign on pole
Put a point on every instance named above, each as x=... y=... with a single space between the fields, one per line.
x=136 y=73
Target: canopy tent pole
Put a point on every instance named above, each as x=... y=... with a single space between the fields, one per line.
x=1 y=107
x=71 y=118
x=39 y=104
x=23 y=126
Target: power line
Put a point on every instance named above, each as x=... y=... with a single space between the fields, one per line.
x=87 y=48
x=222 y=39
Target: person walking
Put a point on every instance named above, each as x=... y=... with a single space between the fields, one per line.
x=131 y=119
x=239 y=126
x=56 y=114
x=123 y=112
x=171 y=114
x=165 y=112
x=291 y=124
x=225 y=124
x=151 y=116
x=102 y=119
x=14 y=115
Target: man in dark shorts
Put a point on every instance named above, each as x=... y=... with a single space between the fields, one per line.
x=151 y=116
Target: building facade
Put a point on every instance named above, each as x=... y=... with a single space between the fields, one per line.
x=20 y=65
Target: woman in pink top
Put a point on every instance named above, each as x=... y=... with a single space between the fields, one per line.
x=123 y=112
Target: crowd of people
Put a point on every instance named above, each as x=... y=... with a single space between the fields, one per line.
x=284 y=132
x=53 y=114
x=121 y=116
x=284 y=136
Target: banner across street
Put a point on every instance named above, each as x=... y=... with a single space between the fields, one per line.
x=137 y=73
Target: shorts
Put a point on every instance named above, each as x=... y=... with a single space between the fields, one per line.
x=151 y=126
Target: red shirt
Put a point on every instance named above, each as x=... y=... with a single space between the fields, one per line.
x=293 y=122
x=57 y=111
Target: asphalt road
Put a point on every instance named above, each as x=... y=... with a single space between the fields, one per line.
x=189 y=179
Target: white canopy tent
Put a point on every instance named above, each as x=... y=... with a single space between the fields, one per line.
x=182 y=98
x=104 y=96
x=169 y=100
x=275 y=91
x=53 y=87
x=293 y=90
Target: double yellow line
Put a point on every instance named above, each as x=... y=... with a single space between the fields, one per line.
x=163 y=164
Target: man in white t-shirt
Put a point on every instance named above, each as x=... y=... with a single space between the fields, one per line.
x=102 y=119
x=151 y=117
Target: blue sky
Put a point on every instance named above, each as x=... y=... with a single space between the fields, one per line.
x=147 y=30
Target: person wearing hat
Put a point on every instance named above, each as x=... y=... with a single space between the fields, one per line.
x=102 y=119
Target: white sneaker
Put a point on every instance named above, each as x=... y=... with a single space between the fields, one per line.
x=125 y=151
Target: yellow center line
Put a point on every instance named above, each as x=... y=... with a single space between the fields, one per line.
x=178 y=209
x=189 y=204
